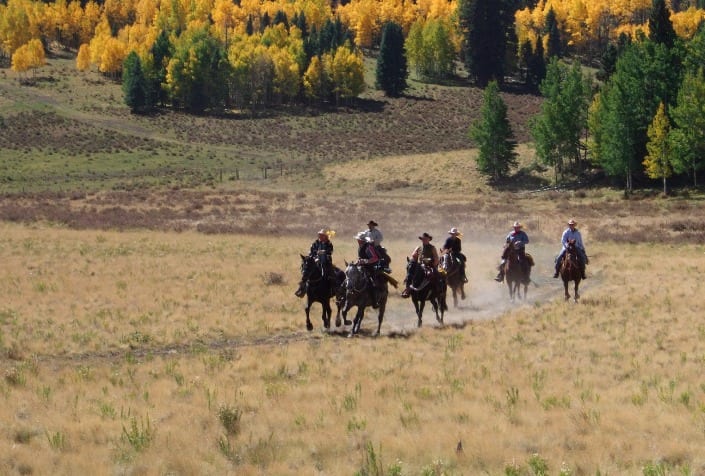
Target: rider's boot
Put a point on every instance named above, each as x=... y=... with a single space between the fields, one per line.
x=301 y=291
x=500 y=276
x=558 y=270
x=465 y=278
x=582 y=272
x=406 y=292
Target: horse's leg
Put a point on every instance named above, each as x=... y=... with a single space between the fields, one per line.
x=439 y=316
x=565 y=286
x=380 y=316
x=418 y=305
x=462 y=293
x=576 y=294
x=326 y=314
x=358 y=319
x=309 y=325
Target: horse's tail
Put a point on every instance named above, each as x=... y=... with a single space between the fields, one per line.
x=390 y=280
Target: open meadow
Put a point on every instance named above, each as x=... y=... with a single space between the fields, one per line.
x=148 y=324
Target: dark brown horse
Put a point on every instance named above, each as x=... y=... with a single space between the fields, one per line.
x=320 y=289
x=517 y=271
x=452 y=268
x=425 y=285
x=570 y=270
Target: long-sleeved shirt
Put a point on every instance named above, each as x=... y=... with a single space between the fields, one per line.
x=375 y=234
x=573 y=234
x=518 y=238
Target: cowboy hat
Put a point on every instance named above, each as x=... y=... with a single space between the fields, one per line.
x=372 y=223
x=425 y=235
x=517 y=225
x=454 y=231
x=322 y=231
x=572 y=222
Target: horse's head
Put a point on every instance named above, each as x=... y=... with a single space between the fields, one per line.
x=449 y=261
x=570 y=246
x=415 y=272
x=354 y=277
x=308 y=267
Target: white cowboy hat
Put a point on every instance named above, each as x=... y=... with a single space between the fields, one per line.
x=517 y=225
x=572 y=222
x=454 y=231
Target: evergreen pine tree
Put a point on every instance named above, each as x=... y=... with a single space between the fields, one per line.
x=553 y=45
x=280 y=17
x=493 y=136
x=134 y=84
x=392 y=69
x=660 y=26
x=264 y=22
x=484 y=39
x=536 y=67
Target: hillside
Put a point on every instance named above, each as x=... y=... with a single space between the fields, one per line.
x=73 y=154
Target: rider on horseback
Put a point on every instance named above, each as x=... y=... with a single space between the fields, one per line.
x=369 y=260
x=322 y=252
x=427 y=255
x=572 y=233
x=453 y=246
x=518 y=239
x=376 y=235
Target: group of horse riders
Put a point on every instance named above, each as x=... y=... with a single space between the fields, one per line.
x=375 y=260
x=518 y=239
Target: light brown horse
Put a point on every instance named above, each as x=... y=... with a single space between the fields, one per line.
x=570 y=270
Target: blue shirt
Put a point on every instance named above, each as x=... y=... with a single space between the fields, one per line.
x=518 y=238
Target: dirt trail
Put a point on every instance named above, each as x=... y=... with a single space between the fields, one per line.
x=486 y=299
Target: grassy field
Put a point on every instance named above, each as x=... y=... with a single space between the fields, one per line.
x=148 y=323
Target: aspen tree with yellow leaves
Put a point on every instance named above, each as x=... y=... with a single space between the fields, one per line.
x=29 y=56
x=346 y=70
x=658 y=158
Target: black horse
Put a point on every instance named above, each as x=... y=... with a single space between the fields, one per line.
x=425 y=285
x=517 y=271
x=320 y=289
x=570 y=270
x=453 y=267
x=359 y=293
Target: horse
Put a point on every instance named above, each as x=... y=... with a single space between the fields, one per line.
x=319 y=289
x=570 y=270
x=514 y=272
x=359 y=293
x=452 y=267
x=419 y=279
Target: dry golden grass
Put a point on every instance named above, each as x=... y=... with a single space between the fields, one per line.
x=166 y=352
x=130 y=353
